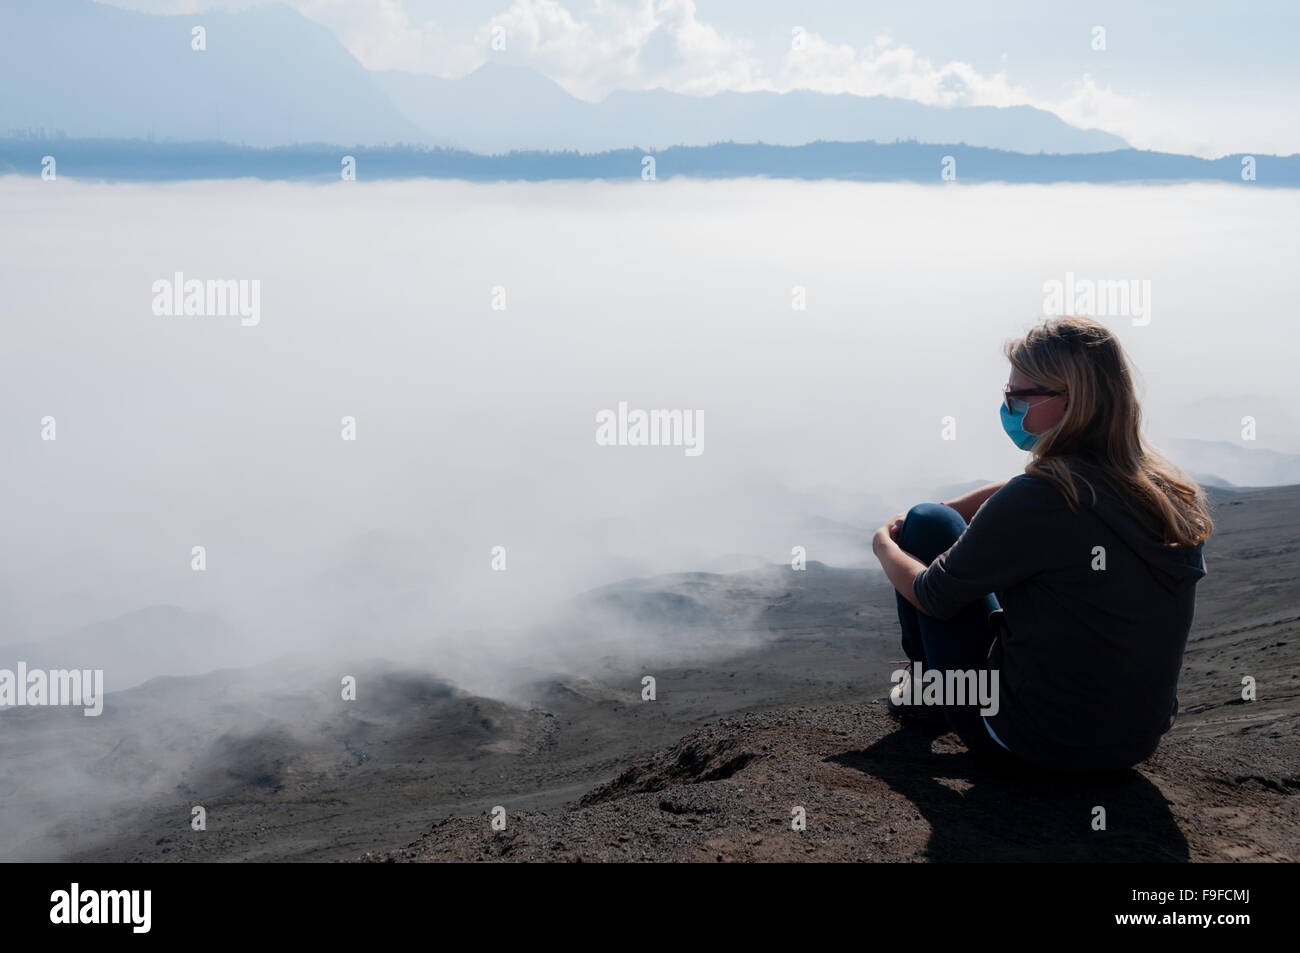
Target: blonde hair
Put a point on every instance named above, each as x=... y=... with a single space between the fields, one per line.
x=1102 y=425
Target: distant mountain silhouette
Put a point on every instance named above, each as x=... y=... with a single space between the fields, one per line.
x=854 y=161
x=498 y=108
x=269 y=76
x=140 y=645
x=1236 y=464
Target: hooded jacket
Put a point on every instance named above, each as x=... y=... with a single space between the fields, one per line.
x=1097 y=612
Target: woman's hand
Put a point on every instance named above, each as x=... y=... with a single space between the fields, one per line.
x=888 y=533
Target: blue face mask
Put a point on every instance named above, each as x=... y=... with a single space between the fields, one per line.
x=1013 y=422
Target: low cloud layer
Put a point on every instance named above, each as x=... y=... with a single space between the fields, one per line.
x=826 y=336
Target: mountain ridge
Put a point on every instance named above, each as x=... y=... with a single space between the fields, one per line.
x=846 y=161
x=497 y=112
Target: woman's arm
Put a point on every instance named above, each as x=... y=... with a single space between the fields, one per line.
x=968 y=503
x=900 y=566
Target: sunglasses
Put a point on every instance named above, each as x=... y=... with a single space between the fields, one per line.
x=1012 y=397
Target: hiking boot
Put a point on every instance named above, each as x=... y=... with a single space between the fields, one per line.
x=899 y=707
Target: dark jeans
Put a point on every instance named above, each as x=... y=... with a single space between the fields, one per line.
x=961 y=643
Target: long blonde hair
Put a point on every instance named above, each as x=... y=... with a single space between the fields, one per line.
x=1102 y=425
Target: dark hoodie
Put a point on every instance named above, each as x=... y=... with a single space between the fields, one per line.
x=1088 y=666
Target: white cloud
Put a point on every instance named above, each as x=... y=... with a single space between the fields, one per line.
x=620 y=45
x=887 y=68
x=381 y=35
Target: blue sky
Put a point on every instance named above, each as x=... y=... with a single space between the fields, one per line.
x=1201 y=77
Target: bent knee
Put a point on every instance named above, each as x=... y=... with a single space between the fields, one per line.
x=932 y=511
x=929 y=529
